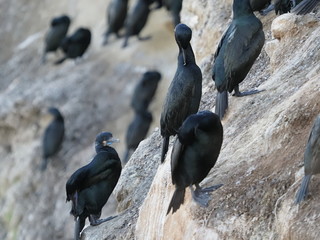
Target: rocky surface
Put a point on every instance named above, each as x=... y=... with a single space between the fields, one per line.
x=260 y=163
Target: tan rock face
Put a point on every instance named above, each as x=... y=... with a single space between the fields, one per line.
x=264 y=134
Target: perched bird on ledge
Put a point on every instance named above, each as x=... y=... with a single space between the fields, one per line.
x=53 y=137
x=90 y=187
x=238 y=49
x=311 y=160
x=194 y=153
x=184 y=93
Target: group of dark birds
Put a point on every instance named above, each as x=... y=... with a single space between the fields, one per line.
x=73 y=46
x=199 y=135
x=133 y=22
x=118 y=19
x=142 y=96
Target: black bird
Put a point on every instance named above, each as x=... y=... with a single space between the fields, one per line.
x=258 y=5
x=58 y=30
x=311 y=160
x=194 y=153
x=53 y=137
x=136 y=21
x=282 y=6
x=238 y=49
x=184 y=93
x=90 y=186
x=137 y=131
x=174 y=7
x=145 y=90
x=75 y=45
x=116 y=15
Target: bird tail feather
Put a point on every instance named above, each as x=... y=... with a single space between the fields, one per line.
x=177 y=200
x=44 y=164
x=303 y=190
x=221 y=103
x=305 y=7
x=77 y=229
x=126 y=156
x=165 y=146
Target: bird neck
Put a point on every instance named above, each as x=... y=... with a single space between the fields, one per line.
x=241 y=8
x=188 y=54
x=59 y=118
x=101 y=148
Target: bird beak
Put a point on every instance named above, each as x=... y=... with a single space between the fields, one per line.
x=184 y=57
x=110 y=141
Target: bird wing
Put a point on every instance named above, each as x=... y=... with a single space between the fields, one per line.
x=53 y=137
x=112 y=13
x=76 y=180
x=244 y=41
x=176 y=153
x=100 y=168
x=180 y=99
x=221 y=42
x=314 y=139
x=101 y=171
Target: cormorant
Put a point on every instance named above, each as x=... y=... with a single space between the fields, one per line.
x=116 y=15
x=58 y=29
x=136 y=20
x=53 y=137
x=145 y=90
x=194 y=153
x=90 y=186
x=137 y=131
x=238 y=49
x=75 y=45
x=174 y=7
x=184 y=93
x=311 y=160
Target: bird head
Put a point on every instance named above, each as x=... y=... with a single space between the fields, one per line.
x=104 y=139
x=55 y=113
x=183 y=36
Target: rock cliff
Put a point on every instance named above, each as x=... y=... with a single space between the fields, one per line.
x=260 y=163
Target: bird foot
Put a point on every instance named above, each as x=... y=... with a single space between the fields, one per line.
x=96 y=222
x=212 y=188
x=202 y=198
x=200 y=195
x=265 y=11
x=242 y=94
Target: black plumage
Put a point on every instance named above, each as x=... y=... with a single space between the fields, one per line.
x=282 y=6
x=174 y=7
x=238 y=49
x=53 y=137
x=137 y=131
x=90 y=186
x=311 y=160
x=258 y=5
x=136 y=20
x=58 y=30
x=116 y=15
x=145 y=90
x=194 y=153
x=75 y=45
x=184 y=93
